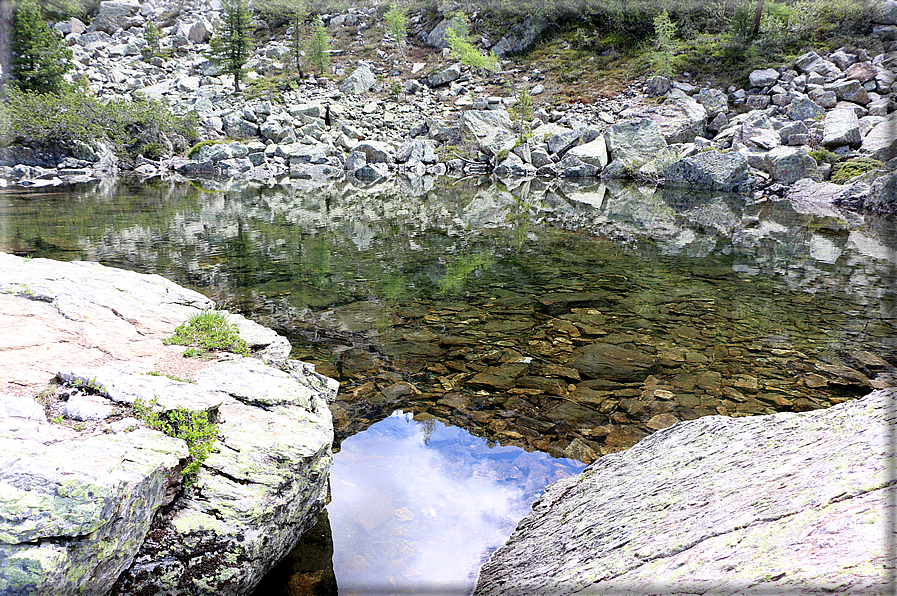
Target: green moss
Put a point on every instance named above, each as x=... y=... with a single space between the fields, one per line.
x=824 y=156
x=844 y=172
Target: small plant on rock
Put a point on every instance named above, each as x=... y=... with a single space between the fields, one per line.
x=464 y=51
x=195 y=428
x=208 y=331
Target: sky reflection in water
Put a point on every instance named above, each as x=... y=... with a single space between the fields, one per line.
x=419 y=506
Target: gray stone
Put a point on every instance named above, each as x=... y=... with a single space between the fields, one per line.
x=513 y=165
x=633 y=143
x=862 y=72
x=492 y=129
x=842 y=128
x=88 y=407
x=445 y=76
x=521 y=37
x=12 y=406
x=658 y=86
x=718 y=123
x=679 y=117
x=811 y=62
x=220 y=151
x=608 y=361
x=360 y=81
x=376 y=151
x=789 y=164
x=593 y=153
x=714 y=101
x=766 y=77
x=885 y=12
x=372 y=172
x=561 y=142
x=710 y=170
x=436 y=37
x=757 y=102
x=850 y=90
x=758 y=132
x=825 y=98
x=803 y=108
x=421 y=150
x=883 y=195
x=572 y=167
x=114 y=15
x=657 y=519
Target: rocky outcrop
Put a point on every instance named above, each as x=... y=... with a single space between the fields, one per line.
x=94 y=501
x=778 y=503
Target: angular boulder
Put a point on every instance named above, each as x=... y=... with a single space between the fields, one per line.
x=841 y=128
x=593 y=153
x=360 y=81
x=804 y=108
x=522 y=36
x=757 y=132
x=766 y=77
x=881 y=142
x=114 y=15
x=679 y=117
x=634 y=142
x=492 y=129
x=714 y=101
x=789 y=164
x=782 y=503
x=710 y=170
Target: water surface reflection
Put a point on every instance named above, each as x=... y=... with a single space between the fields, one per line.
x=418 y=506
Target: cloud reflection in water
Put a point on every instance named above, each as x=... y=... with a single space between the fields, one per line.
x=418 y=506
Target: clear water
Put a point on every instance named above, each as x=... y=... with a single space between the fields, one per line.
x=463 y=306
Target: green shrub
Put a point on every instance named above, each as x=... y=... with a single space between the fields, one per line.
x=662 y=58
x=39 y=56
x=47 y=120
x=824 y=156
x=846 y=171
x=194 y=428
x=396 y=22
x=319 y=47
x=464 y=51
x=207 y=331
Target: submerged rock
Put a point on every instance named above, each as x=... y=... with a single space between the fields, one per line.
x=776 y=503
x=608 y=361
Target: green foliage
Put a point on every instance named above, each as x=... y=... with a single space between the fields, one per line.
x=522 y=113
x=233 y=44
x=90 y=386
x=457 y=273
x=207 y=331
x=463 y=50
x=195 y=149
x=319 y=47
x=39 y=55
x=153 y=47
x=662 y=58
x=194 y=428
x=46 y=120
x=844 y=172
x=396 y=23
x=825 y=156
x=155 y=373
x=297 y=23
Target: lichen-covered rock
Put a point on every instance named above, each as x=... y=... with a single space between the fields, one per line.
x=710 y=170
x=633 y=143
x=789 y=164
x=492 y=129
x=679 y=117
x=842 y=128
x=714 y=101
x=768 y=504
x=74 y=512
x=77 y=508
x=360 y=81
x=881 y=142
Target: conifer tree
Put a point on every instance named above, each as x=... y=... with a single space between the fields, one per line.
x=39 y=56
x=233 y=44
x=319 y=47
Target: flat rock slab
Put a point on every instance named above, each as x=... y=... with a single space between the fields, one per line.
x=785 y=503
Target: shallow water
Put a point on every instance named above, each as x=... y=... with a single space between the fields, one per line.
x=468 y=305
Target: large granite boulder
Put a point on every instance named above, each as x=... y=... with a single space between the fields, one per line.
x=593 y=153
x=634 y=142
x=102 y=506
x=114 y=15
x=679 y=117
x=789 y=164
x=522 y=36
x=710 y=170
x=360 y=81
x=492 y=129
x=881 y=142
x=757 y=132
x=783 y=503
x=883 y=195
x=714 y=101
x=841 y=128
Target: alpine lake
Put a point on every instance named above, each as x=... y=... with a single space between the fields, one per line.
x=491 y=339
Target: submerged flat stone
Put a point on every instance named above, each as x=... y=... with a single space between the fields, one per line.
x=608 y=361
x=782 y=503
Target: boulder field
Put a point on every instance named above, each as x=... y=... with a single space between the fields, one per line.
x=783 y=503
x=92 y=500
x=369 y=119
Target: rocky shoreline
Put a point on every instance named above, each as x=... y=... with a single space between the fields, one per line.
x=94 y=501
x=441 y=120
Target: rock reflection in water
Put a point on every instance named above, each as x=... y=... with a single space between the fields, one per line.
x=418 y=506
